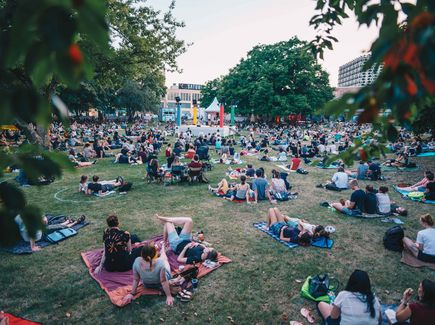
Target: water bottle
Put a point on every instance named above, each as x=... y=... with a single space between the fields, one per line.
x=331 y=296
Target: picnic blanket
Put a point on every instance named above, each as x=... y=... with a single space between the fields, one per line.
x=427 y=154
x=14 y=320
x=320 y=242
x=399 y=169
x=118 y=284
x=23 y=247
x=405 y=195
x=411 y=260
x=328 y=167
x=284 y=167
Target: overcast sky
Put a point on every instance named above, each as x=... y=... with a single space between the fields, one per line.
x=223 y=31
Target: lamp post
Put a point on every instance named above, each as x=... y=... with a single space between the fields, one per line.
x=178 y=99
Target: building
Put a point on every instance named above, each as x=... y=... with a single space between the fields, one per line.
x=351 y=74
x=186 y=92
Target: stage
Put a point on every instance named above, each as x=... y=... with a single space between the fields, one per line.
x=205 y=130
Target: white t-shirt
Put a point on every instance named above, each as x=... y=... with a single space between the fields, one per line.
x=354 y=311
x=384 y=203
x=427 y=238
x=340 y=179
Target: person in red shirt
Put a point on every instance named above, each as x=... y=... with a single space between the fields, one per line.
x=296 y=161
x=421 y=312
x=168 y=151
x=195 y=163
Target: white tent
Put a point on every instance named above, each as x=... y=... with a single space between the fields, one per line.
x=214 y=107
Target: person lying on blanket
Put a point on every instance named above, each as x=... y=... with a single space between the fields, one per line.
x=400 y=161
x=221 y=189
x=298 y=233
x=102 y=187
x=421 y=185
x=118 y=254
x=424 y=247
x=188 y=251
x=421 y=311
x=241 y=191
x=153 y=271
x=355 y=206
x=68 y=223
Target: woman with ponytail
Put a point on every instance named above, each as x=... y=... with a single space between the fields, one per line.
x=153 y=271
x=356 y=305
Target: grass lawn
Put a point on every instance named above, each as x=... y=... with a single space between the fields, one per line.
x=259 y=286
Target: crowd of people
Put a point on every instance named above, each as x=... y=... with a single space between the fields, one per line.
x=137 y=143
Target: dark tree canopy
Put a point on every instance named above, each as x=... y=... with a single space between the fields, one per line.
x=277 y=79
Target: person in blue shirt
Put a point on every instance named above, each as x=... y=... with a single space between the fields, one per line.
x=260 y=186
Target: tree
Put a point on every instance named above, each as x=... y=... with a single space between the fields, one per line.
x=406 y=48
x=277 y=79
x=210 y=91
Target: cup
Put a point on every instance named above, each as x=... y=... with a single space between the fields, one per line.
x=195 y=283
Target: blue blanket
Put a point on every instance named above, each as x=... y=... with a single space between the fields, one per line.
x=427 y=154
x=405 y=196
x=23 y=247
x=319 y=242
x=399 y=169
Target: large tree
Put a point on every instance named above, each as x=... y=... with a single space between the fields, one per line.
x=277 y=79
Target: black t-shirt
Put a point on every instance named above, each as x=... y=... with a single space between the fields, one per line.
x=359 y=197
x=193 y=254
x=123 y=159
x=98 y=150
x=95 y=187
x=292 y=233
x=371 y=203
x=374 y=167
x=250 y=172
x=431 y=194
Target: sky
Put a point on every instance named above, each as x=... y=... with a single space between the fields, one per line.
x=223 y=31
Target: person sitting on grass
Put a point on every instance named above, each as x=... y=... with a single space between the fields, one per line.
x=362 y=170
x=277 y=184
x=76 y=162
x=354 y=206
x=278 y=226
x=250 y=171
x=188 y=251
x=295 y=163
x=424 y=247
x=374 y=173
x=240 y=191
x=118 y=255
x=221 y=189
x=190 y=152
x=421 y=185
x=422 y=311
x=260 y=186
x=339 y=181
x=101 y=188
x=355 y=305
x=153 y=271
x=371 y=201
x=383 y=201
x=429 y=193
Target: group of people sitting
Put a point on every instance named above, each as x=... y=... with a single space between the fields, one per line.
x=257 y=189
x=149 y=262
x=102 y=188
x=426 y=186
x=370 y=201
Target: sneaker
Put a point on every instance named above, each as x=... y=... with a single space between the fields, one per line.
x=319 y=186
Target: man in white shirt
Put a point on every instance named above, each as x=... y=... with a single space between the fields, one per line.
x=340 y=181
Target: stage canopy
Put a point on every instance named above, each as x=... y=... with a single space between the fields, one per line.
x=214 y=107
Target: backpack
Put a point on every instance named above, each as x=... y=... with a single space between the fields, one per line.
x=393 y=239
x=319 y=285
x=125 y=187
x=60 y=235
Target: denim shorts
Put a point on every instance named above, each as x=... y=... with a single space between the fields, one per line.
x=175 y=239
x=275 y=229
x=351 y=212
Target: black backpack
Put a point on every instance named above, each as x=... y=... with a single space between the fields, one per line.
x=319 y=285
x=125 y=187
x=393 y=239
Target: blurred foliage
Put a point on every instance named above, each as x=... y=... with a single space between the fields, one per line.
x=278 y=79
x=81 y=51
x=403 y=94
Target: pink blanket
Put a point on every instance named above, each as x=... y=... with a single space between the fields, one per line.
x=118 y=284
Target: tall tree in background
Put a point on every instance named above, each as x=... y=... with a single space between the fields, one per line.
x=210 y=91
x=277 y=79
x=403 y=94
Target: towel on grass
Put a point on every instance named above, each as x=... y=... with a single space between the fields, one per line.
x=23 y=247
x=118 y=284
x=427 y=154
x=319 y=242
x=405 y=195
x=411 y=260
x=283 y=167
x=14 y=320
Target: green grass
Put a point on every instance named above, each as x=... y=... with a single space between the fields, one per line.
x=259 y=286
